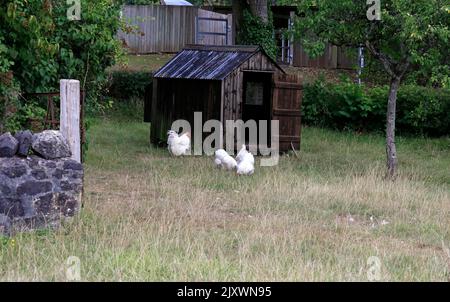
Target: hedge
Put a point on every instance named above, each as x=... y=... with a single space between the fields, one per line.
x=126 y=85
x=420 y=110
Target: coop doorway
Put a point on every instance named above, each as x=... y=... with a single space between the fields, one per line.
x=257 y=103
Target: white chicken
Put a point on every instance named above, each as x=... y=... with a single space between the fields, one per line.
x=241 y=154
x=178 y=144
x=245 y=162
x=224 y=160
x=245 y=168
x=218 y=155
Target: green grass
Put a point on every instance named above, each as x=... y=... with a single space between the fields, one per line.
x=147 y=63
x=148 y=216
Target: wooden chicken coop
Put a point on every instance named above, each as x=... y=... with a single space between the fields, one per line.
x=225 y=83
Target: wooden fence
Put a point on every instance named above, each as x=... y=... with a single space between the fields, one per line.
x=160 y=28
x=333 y=58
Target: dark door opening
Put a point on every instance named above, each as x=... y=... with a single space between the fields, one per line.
x=257 y=104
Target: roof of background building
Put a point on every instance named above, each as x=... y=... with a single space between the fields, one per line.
x=177 y=2
x=229 y=3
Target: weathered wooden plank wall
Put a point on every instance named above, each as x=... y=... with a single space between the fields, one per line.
x=333 y=58
x=161 y=28
x=347 y=58
x=215 y=27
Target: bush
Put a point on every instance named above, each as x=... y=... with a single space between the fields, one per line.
x=39 y=45
x=348 y=106
x=255 y=32
x=127 y=85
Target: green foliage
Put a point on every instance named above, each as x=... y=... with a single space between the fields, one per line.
x=255 y=32
x=409 y=32
x=39 y=45
x=9 y=102
x=430 y=76
x=129 y=84
x=349 y=106
x=29 y=115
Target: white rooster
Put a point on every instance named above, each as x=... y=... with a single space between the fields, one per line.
x=224 y=160
x=245 y=162
x=178 y=144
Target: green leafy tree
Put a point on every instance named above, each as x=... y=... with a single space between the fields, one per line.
x=402 y=35
x=39 y=45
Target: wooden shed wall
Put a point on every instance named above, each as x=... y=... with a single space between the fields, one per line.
x=178 y=99
x=233 y=85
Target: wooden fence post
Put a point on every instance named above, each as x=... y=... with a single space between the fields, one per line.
x=70 y=115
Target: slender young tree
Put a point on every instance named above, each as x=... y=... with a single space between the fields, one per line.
x=398 y=33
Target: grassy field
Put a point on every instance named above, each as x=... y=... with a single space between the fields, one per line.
x=146 y=63
x=147 y=216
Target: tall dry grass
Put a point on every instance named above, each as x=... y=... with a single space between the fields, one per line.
x=147 y=216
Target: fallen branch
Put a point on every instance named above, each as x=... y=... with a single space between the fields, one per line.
x=295 y=152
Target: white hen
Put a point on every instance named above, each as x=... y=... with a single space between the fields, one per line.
x=218 y=155
x=241 y=154
x=245 y=168
x=178 y=144
x=229 y=163
x=246 y=162
x=248 y=157
x=222 y=159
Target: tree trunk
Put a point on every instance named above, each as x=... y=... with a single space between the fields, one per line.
x=259 y=8
x=238 y=17
x=391 y=151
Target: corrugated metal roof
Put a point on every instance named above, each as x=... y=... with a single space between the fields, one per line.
x=206 y=62
x=176 y=2
x=229 y=3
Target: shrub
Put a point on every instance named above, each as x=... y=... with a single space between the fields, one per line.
x=39 y=45
x=420 y=110
x=125 y=85
x=9 y=103
x=424 y=110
